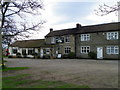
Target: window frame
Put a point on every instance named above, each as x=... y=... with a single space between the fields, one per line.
x=85 y=49
x=112 y=35
x=67 y=50
x=67 y=39
x=85 y=37
x=30 y=49
x=46 y=51
x=112 y=50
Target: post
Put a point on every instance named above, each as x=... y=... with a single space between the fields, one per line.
x=0 y=52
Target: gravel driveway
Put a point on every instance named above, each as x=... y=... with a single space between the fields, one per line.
x=94 y=73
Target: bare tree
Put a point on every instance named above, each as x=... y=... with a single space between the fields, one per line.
x=13 y=17
x=20 y=9
x=107 y=9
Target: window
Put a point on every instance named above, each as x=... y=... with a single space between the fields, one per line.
x=14 y=51
x=67 y=50
x=112 y=35
x=30 y=51
x=52 y=40
x=85 y=49
x=46 y=51
x=67 y=39
x=112 y=50
x=23 y=51
x=85 y=37
x=59 y=39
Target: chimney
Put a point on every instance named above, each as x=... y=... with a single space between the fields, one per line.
x=78 y=26
x=51 y=29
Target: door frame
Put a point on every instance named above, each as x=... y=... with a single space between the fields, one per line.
x=100 y=52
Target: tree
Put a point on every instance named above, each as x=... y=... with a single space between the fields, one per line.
x=107 y=9
x=19 y=9
x=13 y=17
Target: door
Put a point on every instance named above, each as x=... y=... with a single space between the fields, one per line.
x=99 y=52
x=41 y=52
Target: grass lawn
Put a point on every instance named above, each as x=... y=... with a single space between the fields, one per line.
x=24 y=81
x=14 y=68
x=5 y=56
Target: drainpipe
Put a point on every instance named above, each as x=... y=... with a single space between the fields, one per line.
x=78 y=27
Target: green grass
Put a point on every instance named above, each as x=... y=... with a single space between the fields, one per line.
x=5 y=56
x=14 y=68
x=24 y=81
x=5 y=61
x=13 y=81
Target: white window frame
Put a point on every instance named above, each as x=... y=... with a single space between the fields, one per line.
x=85 y=37
x=67 y=49
x=67 y=39
x=82 y=48
x=112 y=35
x=112 y=49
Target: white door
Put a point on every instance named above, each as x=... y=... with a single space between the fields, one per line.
x=41 y=52
x=99 y=53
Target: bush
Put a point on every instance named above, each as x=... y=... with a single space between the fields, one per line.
x=38 y=57
x=92 y=55
x=65 y=56
x=10 y=56
x=46 y=56
x=3 y=66
x=35 y=54
x=71 y=55
x=18 y=55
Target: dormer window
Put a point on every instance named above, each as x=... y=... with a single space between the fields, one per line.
x=112 y=35
x=85 y=37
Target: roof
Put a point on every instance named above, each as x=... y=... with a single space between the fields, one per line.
x=61 y=32
x=100 y=28
x=86 y=29
x=30 y=43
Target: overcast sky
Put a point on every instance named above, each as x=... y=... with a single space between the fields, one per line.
x=62 y=14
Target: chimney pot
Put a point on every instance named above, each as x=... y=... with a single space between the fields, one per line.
x=51 y=29
x=78 y=26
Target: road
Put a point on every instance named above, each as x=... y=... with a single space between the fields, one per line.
x=93 y=73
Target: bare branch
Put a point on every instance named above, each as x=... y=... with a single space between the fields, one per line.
x=106 y=9
x=14 y=14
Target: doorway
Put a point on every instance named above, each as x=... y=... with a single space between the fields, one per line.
x=99 y=52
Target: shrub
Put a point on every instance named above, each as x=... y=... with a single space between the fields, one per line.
x=38 y=57
x=65 y=56
x=71 y=55
x=46 y=56
x=3 y=66
x=92 y=55
x=35 y=54
x=10 y=56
